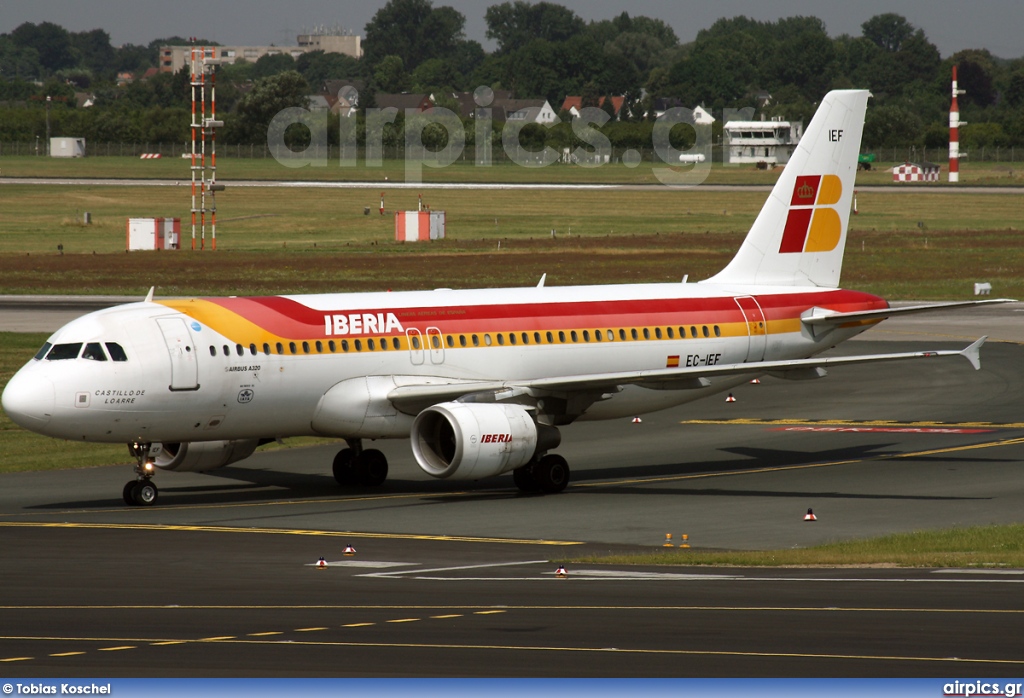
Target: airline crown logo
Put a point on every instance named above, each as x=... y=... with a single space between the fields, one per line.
x=813 y=223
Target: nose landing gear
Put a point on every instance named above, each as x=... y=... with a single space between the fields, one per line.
x=141 y=491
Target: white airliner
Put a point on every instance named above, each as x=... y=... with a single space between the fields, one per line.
x=480 y=380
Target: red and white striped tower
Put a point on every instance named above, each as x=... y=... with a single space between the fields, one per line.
x=954 y=133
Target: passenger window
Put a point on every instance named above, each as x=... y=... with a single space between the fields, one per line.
x=671 y=333
x=415 y=343
x=239 y=350
x=395 y=343
x=511 y=337
x=213 y=351
x=501 y=339
x=266 y=349
x=718 y=331
x=597 y=335
x=344 y=345
x=42 y=351
x=611 y=336
x=305 y=347
x=332 y=346
x=622 y=335
x=575 y=337
x=536 y=338
x=60 y=352
x=383 y=343
x=633 y=334
x=280 y=348
x=487 y=339
x=462 y=340
x=693 y=331
x=451 y=341
x=94 y=352
x=116 y=352
x=647 y=333
x=291 y=347
x=359 y=345
x=526 y=338
x=252 y=349
x=561 y=336
x=319 y=347
x=476 y=341
x=704 y=329
x=657 y=333
x=370 y=344
x=227 y=352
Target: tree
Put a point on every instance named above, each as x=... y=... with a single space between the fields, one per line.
x=390 y=75
x=51 y=42
x=414 y=31
x=95 y=49
x=273 y=64
x=515 y=24
x=886 y=127
x=887 y=31
x=317 y=66
x=267 y=97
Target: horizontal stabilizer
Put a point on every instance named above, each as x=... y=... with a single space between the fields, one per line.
x=816 y=317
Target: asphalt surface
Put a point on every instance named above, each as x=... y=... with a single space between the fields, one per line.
x=453 y=579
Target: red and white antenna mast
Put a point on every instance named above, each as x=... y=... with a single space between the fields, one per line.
x=954 y=133
x=204 y=131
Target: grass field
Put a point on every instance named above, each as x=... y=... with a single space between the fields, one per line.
x=233 y=168
x=979 y=546
x=280 y=240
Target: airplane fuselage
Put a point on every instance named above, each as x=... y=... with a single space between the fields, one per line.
x=259 y=368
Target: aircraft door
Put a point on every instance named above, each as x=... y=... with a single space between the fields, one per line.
x=436 y=343
x=757 y=330
x=415 y=346
x=182 y=350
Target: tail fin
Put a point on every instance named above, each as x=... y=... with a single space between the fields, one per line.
x=799 y=237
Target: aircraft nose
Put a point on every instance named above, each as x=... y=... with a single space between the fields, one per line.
x=29 y=400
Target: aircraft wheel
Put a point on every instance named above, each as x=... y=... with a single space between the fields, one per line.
x=344 y=467
x=129 y=487
x=373 y=467
x=524 y=478
x=551 y=473
x=145 y=493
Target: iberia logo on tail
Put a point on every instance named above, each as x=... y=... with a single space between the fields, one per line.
x=813 y=224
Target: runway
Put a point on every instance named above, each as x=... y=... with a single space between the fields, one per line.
x=457 y=579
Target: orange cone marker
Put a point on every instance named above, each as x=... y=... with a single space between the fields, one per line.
x=636 y=420
x=561 y=573
x=349 y=550
x=756 y=381
x=730 y=398
x=321 y=564
x=809 y=516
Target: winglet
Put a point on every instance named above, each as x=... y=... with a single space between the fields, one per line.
x=149 y=296
x=973 y=353
x=543 y=276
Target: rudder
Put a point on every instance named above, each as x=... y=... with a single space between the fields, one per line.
x=799 y=237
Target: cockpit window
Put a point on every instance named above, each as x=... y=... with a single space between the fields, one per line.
x=64 y=351
x=42 y=352
x=116 y=352
x=94 y=352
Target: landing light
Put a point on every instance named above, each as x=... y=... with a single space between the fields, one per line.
x=148 y=466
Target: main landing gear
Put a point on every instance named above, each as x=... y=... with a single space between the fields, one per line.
x=354 y=466
x=548 y=474
x=142 y=490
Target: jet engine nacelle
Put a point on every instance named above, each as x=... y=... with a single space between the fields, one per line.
x=200 y=456
x=470 y=441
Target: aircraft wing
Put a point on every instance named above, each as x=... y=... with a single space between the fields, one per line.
x=412 y=398
x=823 y=318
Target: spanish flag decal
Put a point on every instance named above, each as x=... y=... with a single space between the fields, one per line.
x=672 y=362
